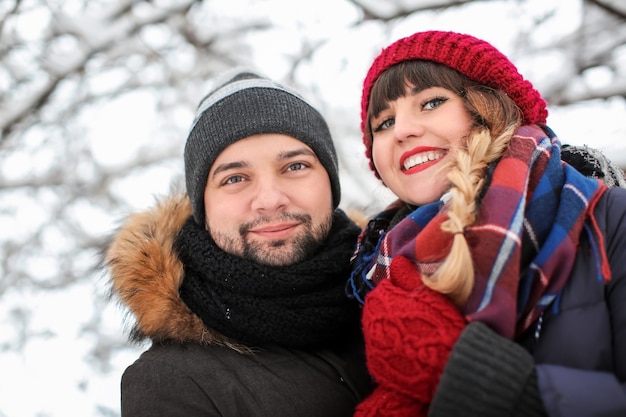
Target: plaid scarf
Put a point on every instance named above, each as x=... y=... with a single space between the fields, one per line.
x=523 y=243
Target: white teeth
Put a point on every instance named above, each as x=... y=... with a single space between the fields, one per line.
x=421 y=158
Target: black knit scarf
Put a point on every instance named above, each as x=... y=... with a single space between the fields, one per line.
x=294 y=305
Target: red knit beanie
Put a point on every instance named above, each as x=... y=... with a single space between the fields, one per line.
x=472 y=57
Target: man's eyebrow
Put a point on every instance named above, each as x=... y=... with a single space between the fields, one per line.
x=295 y=152
x=229 y=165
x=281 y=156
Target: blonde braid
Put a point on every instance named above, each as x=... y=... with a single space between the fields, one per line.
x=455 y=276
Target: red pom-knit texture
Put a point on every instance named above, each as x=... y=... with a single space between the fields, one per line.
x=473 y=57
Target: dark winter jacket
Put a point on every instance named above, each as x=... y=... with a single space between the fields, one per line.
x=573 y=363
x=191 y=370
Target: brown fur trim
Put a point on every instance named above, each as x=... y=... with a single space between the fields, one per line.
x=358 y=216
x=146 y=275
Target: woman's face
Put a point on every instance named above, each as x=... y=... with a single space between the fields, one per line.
x=414 y=137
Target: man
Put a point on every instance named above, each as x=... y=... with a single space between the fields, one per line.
x=239 y=283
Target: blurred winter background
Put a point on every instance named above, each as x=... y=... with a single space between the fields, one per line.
x=96 y=97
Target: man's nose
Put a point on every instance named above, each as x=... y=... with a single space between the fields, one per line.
x=270 y=195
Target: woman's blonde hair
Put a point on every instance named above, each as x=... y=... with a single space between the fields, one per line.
x=495 y=118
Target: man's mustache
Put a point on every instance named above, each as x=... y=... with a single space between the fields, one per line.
x=245 y=228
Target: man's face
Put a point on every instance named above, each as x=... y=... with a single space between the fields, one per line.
x=268 y=199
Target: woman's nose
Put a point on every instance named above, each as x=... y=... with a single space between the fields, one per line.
x=407 y=125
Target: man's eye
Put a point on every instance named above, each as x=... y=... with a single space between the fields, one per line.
x=386 y=124
x=433 y=103
x=296 y=166
x=233 y=180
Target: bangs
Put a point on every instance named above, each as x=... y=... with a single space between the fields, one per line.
x=418 y=74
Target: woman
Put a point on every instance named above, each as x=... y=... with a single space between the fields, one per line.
x=498 y=279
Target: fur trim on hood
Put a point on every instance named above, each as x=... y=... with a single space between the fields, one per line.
x=145 y=275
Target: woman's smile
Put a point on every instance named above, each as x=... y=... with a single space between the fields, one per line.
x=420 y=158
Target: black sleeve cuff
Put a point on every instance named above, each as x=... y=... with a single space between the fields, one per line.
x=487 y=375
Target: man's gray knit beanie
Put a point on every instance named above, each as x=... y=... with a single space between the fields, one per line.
x=245 y=104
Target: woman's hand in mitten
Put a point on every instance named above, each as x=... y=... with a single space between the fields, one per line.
x=409 y=332
x=384 y=402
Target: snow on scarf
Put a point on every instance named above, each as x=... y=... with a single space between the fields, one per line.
x=533 y=198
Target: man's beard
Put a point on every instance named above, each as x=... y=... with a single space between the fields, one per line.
x=277 y=252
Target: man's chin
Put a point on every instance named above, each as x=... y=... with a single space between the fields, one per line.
x=281 y=252
x=275 y=253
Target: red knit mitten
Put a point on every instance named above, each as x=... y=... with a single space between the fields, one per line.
x=389 y=403
x=409 y=332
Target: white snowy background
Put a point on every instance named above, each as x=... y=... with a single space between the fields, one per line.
x=96 y=98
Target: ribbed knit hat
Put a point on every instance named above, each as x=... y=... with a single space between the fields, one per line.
x=472 y=57
x=245 y=104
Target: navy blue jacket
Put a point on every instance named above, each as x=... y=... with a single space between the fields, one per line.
x=572 y=364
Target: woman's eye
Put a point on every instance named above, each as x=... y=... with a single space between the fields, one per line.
x=433 y=103
x=386 y=124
